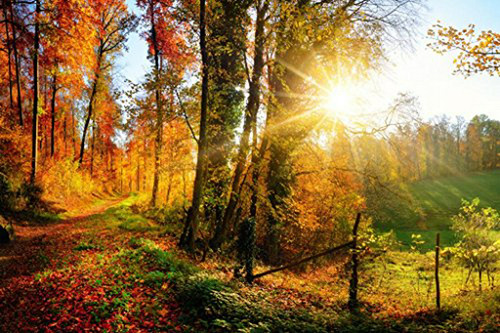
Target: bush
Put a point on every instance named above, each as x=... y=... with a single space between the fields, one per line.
x=7 y=194
x=149 y=255
x=169 y=215
x=222 y=309
x=478 y=249
x=198 y=294
x=32 y=194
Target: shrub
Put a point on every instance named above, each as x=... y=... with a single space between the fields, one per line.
x=7 y=194
x=478 y=249
x=155 y=278
x=32 y=194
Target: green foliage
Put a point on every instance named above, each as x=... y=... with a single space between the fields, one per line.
x=169 y=217
x=137 y=223
x=147 y=254
x=87 y=245
x=7 y=194
x=478 y=249
x=222 y=309
x=204 y=295
x=155 y=278
x=377 y=242
x=27 y=196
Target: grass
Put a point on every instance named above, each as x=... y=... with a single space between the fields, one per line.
x=447 y=238
x=122 y=217
x=439 y=200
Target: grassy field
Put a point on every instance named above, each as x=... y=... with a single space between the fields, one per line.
x=440 y=199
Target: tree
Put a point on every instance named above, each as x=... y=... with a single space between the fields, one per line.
x=68 y=40
x=16 y=62
x=169 y=57
x=34 y=126
x=190 y=231
x=112 y=26
x=477 y=52
x=478 y=250
x=229 y=55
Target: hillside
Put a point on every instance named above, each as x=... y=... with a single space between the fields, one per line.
x=438 y=200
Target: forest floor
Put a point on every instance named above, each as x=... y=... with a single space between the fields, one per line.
x=109 y=269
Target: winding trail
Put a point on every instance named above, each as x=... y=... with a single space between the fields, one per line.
x=48 y=284
x=38 y=243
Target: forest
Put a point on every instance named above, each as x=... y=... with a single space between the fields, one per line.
x=246 y=180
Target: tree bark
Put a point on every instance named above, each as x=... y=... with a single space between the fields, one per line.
x=169 y=188
x=257 y=158
x=73 y=134
x=92 y=147
x=353 y=283
x=34 y=132
x=90 y=106
x=138 y=171
x=17 y=65
x=188 y=237
x=9 y=52
x=65 y=135
x=53 y=116
x=250 y=117
x=159 y=114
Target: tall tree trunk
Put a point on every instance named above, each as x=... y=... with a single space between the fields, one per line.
x=90 y=107
x=189 y=235
x=17 y=66
x=169 y=188
x=138 y=171
x=250 y=117
x=159 y=113
x=65 y=135
x=121 y=174
x=92 y=147
x=73 y=136
x=34 y=132
x=145 y=164
x=9 y=50
x=258 y=156
x=53 y=116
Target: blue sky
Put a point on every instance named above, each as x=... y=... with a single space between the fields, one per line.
x=420 y=72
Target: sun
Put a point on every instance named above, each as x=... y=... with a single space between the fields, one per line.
x=339 y=100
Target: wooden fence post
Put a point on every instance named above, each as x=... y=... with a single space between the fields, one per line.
x=353 y=283
x=436 y=273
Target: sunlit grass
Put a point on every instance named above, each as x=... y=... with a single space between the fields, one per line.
x=440 y=199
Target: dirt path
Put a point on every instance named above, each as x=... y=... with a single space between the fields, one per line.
x=51 y=280
x=37 y=244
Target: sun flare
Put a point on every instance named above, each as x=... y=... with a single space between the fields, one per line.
x=340 y=100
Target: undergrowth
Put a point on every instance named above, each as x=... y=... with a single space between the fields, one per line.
x=136 y=274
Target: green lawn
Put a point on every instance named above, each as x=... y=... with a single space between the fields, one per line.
x=440 y=199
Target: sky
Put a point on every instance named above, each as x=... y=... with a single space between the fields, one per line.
x=419 y=72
